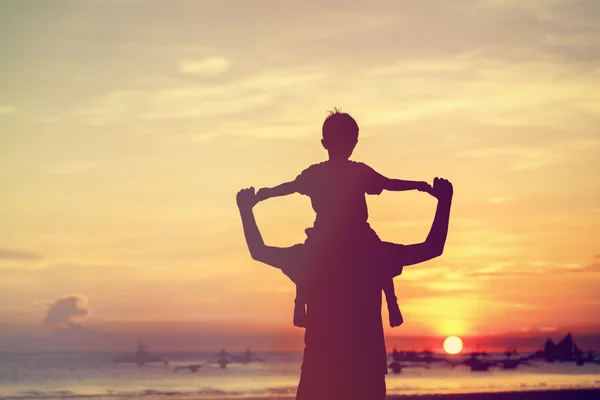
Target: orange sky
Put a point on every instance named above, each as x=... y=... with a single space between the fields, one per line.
x=127 y=127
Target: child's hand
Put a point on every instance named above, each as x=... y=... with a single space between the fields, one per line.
x=246 y=198
x=424 y=187
x=262 y=194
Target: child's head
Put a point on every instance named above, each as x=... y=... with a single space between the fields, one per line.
x=340 y=134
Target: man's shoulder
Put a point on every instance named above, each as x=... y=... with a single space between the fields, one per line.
x=358 y=163
x=391 y=255
x=293 y=261
x=317 y=166
x=298 y=247
x=300 y=254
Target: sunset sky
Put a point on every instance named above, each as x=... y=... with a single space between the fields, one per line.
x=128 y=126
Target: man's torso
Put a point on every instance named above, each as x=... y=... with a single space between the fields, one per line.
x=343 y=296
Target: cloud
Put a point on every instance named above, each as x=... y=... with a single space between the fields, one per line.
x=548 y=329
x=17 y=255
x=50 y=120
x=70 y=167
x=417 y=274
x=208 y=67
x=449 y=60
x=576 y=40
x=186 y=101
x=7 y=110
x=454 y=286
x=529 y=157
x=499 y=199
x=508 y=270
x=64 y=310
x=466 y=279
x=595 y=264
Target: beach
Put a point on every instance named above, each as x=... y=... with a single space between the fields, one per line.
x=94 y=376
x=566 y=394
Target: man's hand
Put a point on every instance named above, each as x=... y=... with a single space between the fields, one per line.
x=442 y=189
x=434 y=245
x=246 y=198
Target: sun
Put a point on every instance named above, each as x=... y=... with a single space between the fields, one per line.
x=453 y=345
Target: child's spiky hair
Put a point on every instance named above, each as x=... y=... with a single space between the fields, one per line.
x=340 y=125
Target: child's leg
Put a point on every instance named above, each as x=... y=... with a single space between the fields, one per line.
x=388 y=285
x=299 y=309
x=392 y=303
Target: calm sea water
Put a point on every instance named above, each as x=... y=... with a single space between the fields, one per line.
x=49 y=376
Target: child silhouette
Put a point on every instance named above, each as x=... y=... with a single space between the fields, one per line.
x=337 y=189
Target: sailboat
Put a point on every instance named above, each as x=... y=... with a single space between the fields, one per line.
x=140 y=358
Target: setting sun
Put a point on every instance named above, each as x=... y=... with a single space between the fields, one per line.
x=453 y=345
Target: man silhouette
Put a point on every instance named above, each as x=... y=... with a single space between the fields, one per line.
x=344 y=356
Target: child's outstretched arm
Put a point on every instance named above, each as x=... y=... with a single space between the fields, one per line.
x=376 y=183
x=284 y=189
x=398 y=185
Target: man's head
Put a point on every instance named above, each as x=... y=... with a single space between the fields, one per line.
x=340 y=134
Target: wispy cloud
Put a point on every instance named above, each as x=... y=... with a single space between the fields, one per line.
x=418 y=274
x=471 y=279
x=17 y=255
x=499 y=200
x=453 y=286
x=207 y=68
x=7 y=110
x=512 y=271
x=200 y=102
x=548 y=329
x=528 y=157
x=70 y=167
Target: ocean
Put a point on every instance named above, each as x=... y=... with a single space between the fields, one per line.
x=94 y=375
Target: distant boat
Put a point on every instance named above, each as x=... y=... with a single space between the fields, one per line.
x=397 y=368
x=191 y=368
x=247 y=358
x=426 y=356
x=565 y=350
x=140 y=358
x=509 y=364
x=479 y=365
x=223 y=362
x=224 y=358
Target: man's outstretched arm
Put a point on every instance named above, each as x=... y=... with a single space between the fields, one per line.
x=433 y=246
x=277 y=257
